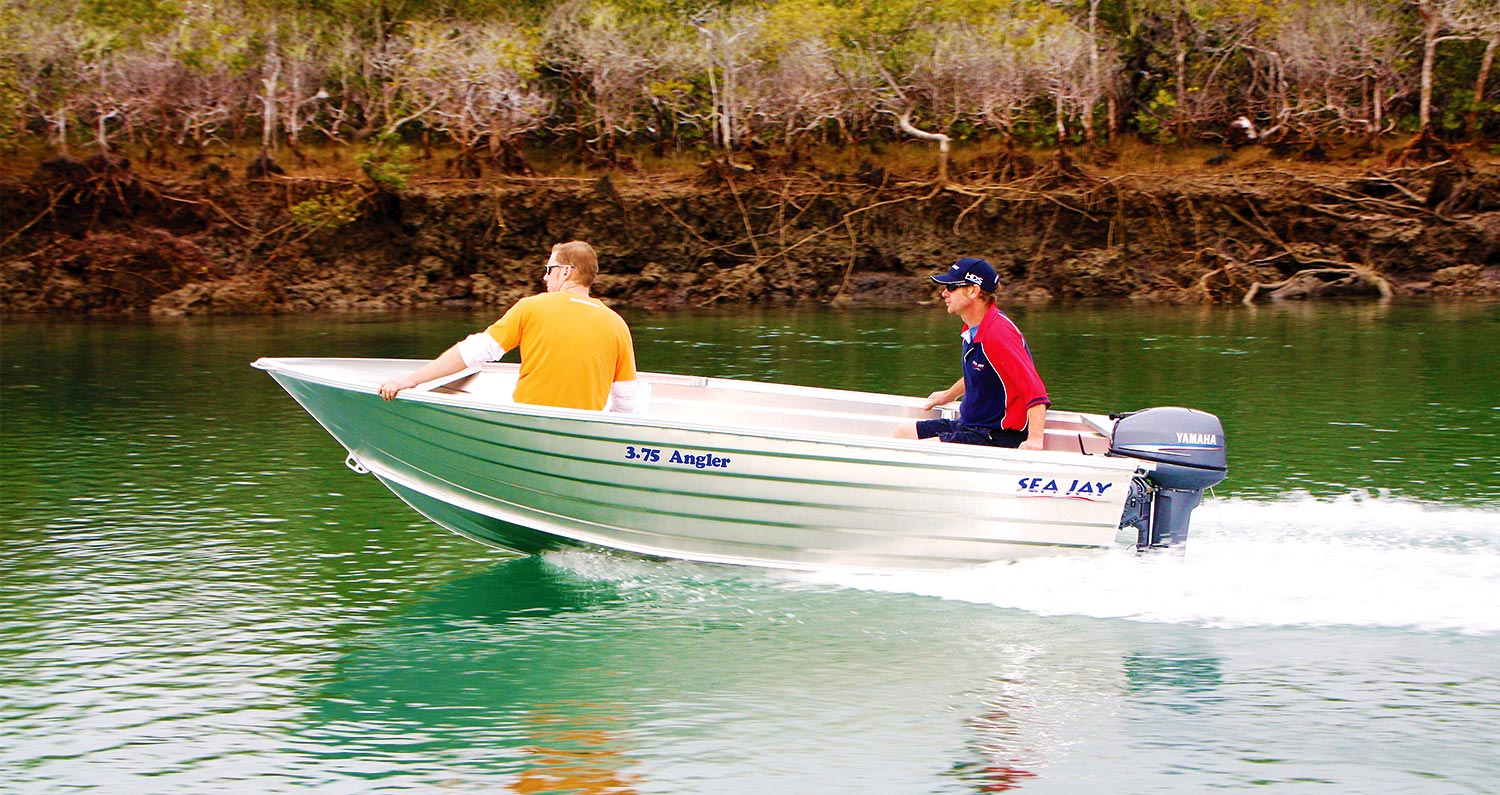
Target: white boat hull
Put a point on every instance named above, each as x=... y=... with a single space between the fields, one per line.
x=718 y=471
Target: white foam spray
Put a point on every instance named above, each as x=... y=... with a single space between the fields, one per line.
x=1294 y=562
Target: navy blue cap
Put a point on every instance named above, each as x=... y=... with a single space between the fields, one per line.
x=970 y=270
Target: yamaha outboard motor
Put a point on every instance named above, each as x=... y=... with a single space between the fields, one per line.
x=1187 y=447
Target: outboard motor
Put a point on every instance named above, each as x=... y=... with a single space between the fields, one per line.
x=1187 y=447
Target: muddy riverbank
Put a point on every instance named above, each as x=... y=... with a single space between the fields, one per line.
x=97 y=237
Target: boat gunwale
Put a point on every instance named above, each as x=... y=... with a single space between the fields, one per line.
x=461 y=400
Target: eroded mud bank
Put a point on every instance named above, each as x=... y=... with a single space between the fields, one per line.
x=100 y=239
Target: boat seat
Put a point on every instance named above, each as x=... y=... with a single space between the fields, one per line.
x=642 y=397
x=1067 y=441
x=774 y=416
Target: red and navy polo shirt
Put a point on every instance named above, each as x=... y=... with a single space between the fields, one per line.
x=1000 y=380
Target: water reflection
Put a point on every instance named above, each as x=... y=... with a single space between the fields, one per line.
x=583 y=748
x=1178 y=681
x=604 y=674
x=1001 y=758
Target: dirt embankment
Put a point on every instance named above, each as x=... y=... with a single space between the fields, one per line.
x=96 y=238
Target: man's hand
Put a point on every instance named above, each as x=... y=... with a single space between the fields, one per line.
x=935 y=399
x=948 y=395
x=1036 y=428
x=389 y=389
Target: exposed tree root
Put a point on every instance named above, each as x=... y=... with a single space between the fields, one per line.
x=753 y=235
x=1323 y=283
x=1425 y=148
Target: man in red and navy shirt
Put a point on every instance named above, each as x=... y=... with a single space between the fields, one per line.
x=1004 y=400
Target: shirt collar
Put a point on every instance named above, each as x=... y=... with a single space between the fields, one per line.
x=970 y=332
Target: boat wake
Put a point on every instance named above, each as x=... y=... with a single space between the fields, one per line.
x=1293 y=562
x=1296 y=562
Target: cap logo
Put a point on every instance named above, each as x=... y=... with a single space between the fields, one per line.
x=970 y=270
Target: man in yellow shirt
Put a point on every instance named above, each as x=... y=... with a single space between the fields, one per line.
x=575 y=351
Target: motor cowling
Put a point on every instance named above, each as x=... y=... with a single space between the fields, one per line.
x=1188 y=450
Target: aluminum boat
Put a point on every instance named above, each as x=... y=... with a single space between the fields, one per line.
x=741 y=472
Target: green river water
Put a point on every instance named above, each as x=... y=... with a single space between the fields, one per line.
x=198 y=597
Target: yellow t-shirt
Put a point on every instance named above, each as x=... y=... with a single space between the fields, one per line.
x=572 y=349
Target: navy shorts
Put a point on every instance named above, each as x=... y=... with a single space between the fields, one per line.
x=959 y=433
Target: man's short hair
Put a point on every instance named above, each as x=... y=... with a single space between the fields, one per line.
x=580 y=256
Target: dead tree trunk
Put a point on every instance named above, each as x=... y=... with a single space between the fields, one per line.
x=1322 y=283
x=943 y=142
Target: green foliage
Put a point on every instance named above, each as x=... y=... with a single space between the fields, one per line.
x=208 y=43
x=668 y=89
x=12 y=92
x=12 y=104
x=886 y=27
x=1152 y=121
x=348 y=68
x=132 y=21
x=328 y=210
x=388 y=11
x=388 y=166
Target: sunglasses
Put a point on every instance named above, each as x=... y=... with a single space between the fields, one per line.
x=953 y=288
x=547 y=271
